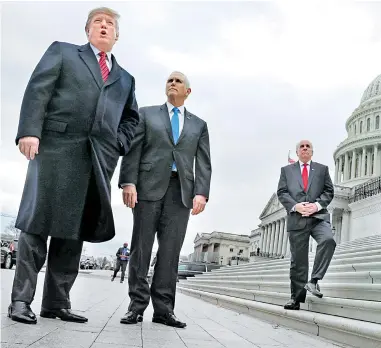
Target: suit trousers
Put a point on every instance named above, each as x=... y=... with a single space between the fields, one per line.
x=169 y=218
x=120 y=264
x=321 y=231
x=61 y=271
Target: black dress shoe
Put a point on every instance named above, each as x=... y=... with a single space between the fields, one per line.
x=21 y=312
x=314 y=289
x=168 y=319
x=131 y=317
x=63 y=313
x=292 y=304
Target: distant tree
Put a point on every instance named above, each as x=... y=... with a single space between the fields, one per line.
x=102 y=261
x=11 y=229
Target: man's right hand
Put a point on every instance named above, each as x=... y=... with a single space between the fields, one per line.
x=29 y=147
x=130 y=196
x=302 y=208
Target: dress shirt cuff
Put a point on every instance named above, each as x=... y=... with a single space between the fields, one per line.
x=128 y=184
x=293 y=209
x=319 y=207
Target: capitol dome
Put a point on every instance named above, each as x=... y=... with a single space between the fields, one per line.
x=358 y=158
x=373 y=90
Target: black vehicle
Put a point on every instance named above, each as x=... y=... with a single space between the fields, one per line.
x=8 y=251
x=190 y=269
x=87 y=262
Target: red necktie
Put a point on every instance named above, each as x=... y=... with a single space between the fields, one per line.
x=102 y=63
x=305 y=176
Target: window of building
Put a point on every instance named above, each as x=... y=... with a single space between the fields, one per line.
x=368 y=125
x=360 y=127
x=355 y=129
x=240 y=251
x=377 y=122
x=231 y=250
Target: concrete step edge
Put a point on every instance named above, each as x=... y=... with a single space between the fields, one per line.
x=360 y=304
x=366 y=334
x=286 y=268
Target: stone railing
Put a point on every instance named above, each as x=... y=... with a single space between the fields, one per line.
x=368 y=189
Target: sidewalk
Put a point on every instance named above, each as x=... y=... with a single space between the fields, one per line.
x=104 y=303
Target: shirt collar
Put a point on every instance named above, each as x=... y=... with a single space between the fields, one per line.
x=170 y=107
x=301 y=163
x=96 y=51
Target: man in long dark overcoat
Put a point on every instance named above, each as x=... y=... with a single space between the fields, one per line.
x=78 y=115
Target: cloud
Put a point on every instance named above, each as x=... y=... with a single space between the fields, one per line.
x=307 y=45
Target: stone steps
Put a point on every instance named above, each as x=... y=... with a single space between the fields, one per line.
x=348 y=308
x=356 y=333
x=355 y=258
x=359 y=291
x=373 y=277
x=349 y=312
x=350 y=267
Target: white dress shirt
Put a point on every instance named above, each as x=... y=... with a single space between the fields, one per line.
x=108 y=56
x=180 y=113
x=301 y=165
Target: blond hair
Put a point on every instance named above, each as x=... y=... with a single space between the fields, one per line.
x=107 y=11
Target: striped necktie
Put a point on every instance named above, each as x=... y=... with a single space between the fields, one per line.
x=102 y=64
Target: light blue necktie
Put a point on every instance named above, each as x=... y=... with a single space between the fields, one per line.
x=175 y=129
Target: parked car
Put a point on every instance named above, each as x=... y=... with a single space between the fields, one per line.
x=8 y=251
x=87 y=262
x=190 y=269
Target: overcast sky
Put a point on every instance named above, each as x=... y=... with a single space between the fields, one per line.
x=264 y=75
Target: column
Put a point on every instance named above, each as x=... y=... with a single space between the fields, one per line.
x=261 y=240
x=268 y=238
x=336 y=171
x=353 y=169
x=340 y=168
x=276 y=239
x=345 y=227
x=369 y=164
x=376 y=165
x=263 y=250
x=272 y=238
x=362 y=173
x=281 y=236
x=285 y=238
x=346 y=166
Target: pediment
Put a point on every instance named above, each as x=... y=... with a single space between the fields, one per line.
x=272 y=206
x=196 y=238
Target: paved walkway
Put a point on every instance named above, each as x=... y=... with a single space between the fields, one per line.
x=104 y=303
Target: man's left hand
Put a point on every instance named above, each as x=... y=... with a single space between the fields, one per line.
x=199 y=203
x=311 y=209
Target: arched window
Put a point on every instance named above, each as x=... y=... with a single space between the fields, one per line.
x=377 y=122
x=355 y=130
x=360 y=127
x=368 y=125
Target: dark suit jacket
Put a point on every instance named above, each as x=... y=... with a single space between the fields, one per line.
x=120 y=251
x=78 y=119
x=290 y=192
x=148 y=165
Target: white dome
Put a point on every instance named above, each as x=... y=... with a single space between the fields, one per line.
x=373 y=90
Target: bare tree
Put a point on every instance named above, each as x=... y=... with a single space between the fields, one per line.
x=11 y=229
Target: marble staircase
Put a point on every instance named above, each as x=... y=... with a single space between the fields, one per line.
x=349 y=312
